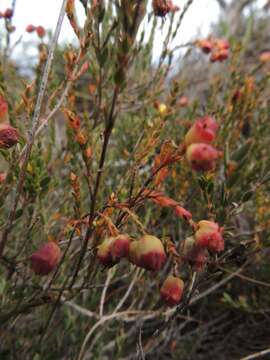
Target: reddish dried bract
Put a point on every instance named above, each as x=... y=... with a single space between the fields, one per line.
x=202 y=157
x=204 y=130
x=172 y=290
x=209 y=236
x=163 y=7
x=30 y=28
x=112 y=249
x=40 y=31
x=3 y=109
x=148 y=253
x=182 y=212
x=45 y=259
x=9 y=136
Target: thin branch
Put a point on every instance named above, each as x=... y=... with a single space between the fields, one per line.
x=35 y=123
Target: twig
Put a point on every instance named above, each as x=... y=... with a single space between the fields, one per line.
x=104 y=291
x=35 y=123
x=257 y=355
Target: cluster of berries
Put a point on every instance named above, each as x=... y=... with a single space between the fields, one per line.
x=219 y=48
x=199 y=153
x=208 y=237
x=41 y=32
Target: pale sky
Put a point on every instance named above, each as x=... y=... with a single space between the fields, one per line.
x=45 y=12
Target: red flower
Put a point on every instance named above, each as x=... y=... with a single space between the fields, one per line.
x=148 y=253
x=195 y=255
x=209 y=236
x=112 y=249
x=30 y=28
x=219 y=55
x=202 y=157
x=172 y=290
x=8 y=13
x=9 y=136
x=205 y=45
x=46 y=258
x=204 y=130
x=40 y=31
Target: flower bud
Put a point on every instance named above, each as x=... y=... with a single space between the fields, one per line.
x=205 y=45
x=182 y=212
x=202 y=157
x=219 y=55
x=46 y=258
x=41 y=32
x=172 y=290
x=148 y=253
x=3 y=110
x=8 y=13
x=194 y=255
x=221 y=44
x=209 y=236
x=3 y=177
x=265 y=57
x=183 y=101
x=30 y=28
x=120 y=247
x=112 y=249
x=9 y=136
x=204 y=130
x=163 y=7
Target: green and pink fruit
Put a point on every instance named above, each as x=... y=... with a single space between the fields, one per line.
x=172 y=290
x=112 y=249
x=148 y=253
x=194 y=255
x=44 y=260
x=202 y=157
x=209 y=235
x=204 y=130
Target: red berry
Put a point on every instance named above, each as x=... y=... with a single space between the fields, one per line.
x=204 y=130
x=8 y=13
x=148 y=253
x=40 y=31
x=172 y=290
x=9 y=136
x=30 y=28
x=209 y=236
x=45 y=259
x=202 y=157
